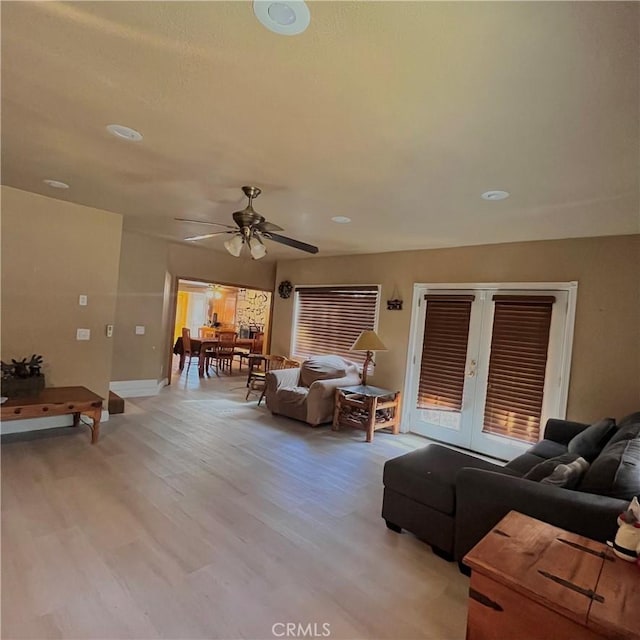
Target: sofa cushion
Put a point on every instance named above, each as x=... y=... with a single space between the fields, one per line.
x=543 y=450
x=322 y=368
x=632 y=418
x=616 y=471
x=428 y=475
x=567 y=475
x=627 y=430
x=590 y=442
x=546 y=467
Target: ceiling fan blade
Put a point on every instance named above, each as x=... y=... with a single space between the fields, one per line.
x=290 y=242
x=208 y=235
x=268 y=226
x=217 y=224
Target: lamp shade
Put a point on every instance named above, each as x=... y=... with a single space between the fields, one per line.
x=258 y=250
x=234 y=246
x=368 y=341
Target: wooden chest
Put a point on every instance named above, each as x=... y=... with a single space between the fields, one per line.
x=533 y=581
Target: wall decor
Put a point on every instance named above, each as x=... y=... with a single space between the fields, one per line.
x=252 y=309
x=285 y=288
x=395 y=303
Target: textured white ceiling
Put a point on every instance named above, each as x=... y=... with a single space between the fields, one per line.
x=398 y=115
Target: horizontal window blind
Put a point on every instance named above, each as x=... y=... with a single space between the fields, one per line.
x=444 y=351
x=329 y=319
x=517 y=365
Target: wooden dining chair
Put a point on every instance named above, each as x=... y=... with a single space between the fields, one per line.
x=225 y=350
x=190 y=349
x=256 y=348
x=258 y=377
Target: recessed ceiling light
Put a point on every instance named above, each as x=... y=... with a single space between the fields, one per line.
x=341 y=219
x=288 y=18
x=127 y=133
x=495 y=195
x=56 y=184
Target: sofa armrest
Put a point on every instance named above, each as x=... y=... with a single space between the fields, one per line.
x=326 y=388
x=281 y=378
x=483 y=498
x=561 y=431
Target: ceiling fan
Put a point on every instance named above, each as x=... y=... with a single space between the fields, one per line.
x=251 y=230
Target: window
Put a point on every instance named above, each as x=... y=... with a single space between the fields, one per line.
x=517 y=366
x=444 y=351
x=329 y=319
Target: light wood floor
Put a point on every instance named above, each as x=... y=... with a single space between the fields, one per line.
x=199 y=515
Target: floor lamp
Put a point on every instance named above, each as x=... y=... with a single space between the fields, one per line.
x=368 y=341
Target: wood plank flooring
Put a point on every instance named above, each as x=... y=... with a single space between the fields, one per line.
x=199 y=515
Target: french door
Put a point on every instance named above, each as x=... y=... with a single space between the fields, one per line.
x=489 y=364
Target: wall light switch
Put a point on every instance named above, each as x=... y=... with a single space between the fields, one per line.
x=109 y=331
x=83 y=300
x=83 y=334
x=139 y=329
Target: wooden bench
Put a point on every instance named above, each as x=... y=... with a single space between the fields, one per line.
x=58 y=401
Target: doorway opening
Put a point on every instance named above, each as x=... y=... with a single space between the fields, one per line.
x=208 y=307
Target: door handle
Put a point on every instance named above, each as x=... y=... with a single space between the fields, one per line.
x=471 y=371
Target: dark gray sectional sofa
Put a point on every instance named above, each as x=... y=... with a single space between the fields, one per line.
x=451 y=500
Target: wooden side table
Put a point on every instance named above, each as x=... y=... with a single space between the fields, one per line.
x=57 y=401
x=368 y=408
x=533 y=581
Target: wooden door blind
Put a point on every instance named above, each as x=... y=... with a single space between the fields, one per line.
x=517 y=365
x=444 y=351
x=329 y=319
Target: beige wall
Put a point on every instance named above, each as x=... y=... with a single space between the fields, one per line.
x=202 y=264
x=605 y=370
x=146 y=295
x=141 y=301
x=53 y=251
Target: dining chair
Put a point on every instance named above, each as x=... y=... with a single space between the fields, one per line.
x=189 y=348
x=225 y=350
x=257 y=377
x=206 y=332
x=255 y=349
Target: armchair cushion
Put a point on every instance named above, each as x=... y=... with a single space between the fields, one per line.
x=323 y=368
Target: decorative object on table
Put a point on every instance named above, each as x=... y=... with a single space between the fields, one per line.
x=22 y=378
x=627 y=543
x=395 y=303
x=368 y=341
x=250 y=231
x=285 y=288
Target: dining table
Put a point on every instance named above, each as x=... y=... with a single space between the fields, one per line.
x=202 y=345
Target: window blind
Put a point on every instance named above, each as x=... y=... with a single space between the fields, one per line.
x=444 y=351
x=329 y=319
x=517 y=366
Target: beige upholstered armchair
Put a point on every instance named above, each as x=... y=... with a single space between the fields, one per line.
x=307 y=393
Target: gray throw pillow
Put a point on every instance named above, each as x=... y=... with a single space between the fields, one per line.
x=590 y=442
x=545 y=468
x=567 y=475
x=616 y=471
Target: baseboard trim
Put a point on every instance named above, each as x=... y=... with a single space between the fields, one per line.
x=137 y=388
x=37 y=424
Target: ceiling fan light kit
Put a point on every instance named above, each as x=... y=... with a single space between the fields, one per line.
x=234 y=245
x=252 y=228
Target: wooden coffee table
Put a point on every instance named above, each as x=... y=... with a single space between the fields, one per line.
x=58 y=401
x=533 y=581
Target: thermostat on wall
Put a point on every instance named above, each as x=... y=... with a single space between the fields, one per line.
x=139 y=329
